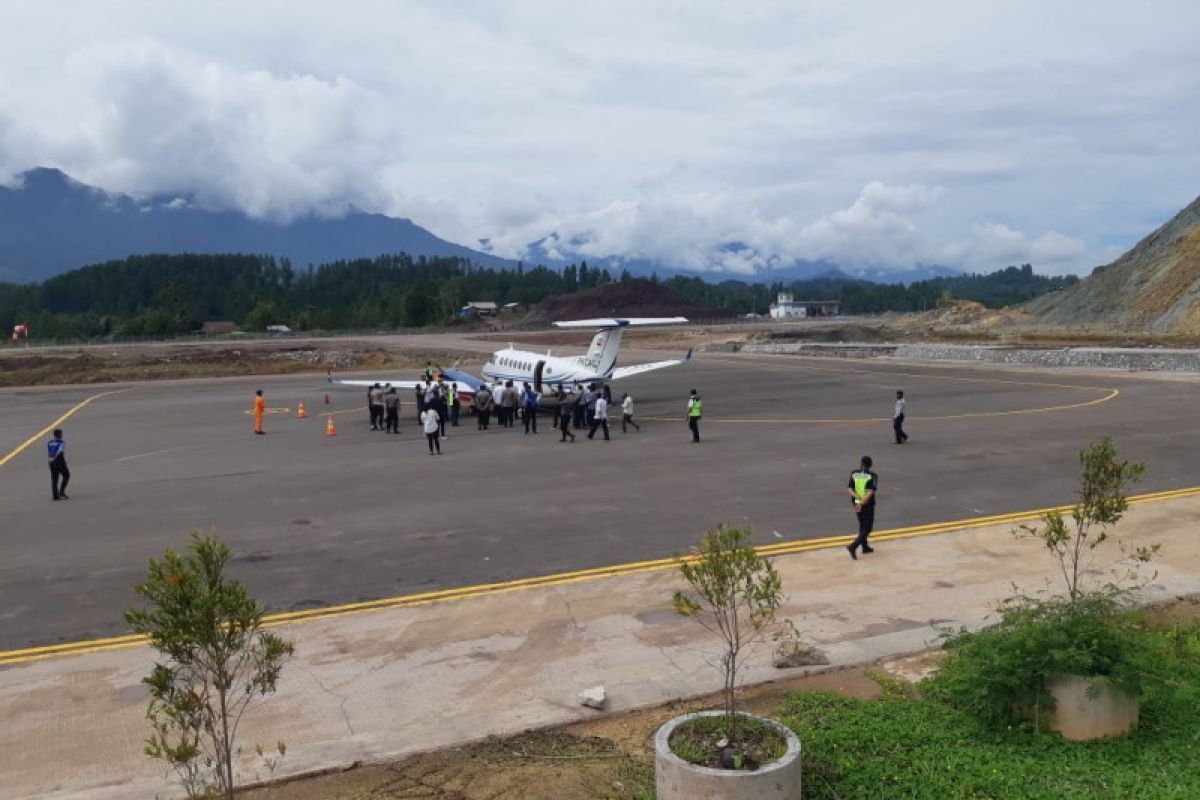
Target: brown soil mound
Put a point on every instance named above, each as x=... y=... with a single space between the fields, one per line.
x=636 y=298
x=968 y=312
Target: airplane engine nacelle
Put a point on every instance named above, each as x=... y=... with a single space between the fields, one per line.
x=537 y=376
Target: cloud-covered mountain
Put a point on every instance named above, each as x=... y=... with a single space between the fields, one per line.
x=737 y=260
x=50 y=223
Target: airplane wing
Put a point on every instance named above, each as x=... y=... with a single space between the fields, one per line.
x=638 y=369
x=461 y=387
x=619 y=322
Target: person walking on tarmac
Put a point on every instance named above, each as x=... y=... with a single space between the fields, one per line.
x=566 y=410
x=452 y=402
x=439 y=407
x=627 y=414
x=578 y=407
x=260 y=408
x=391 y=404
x=430 y=421
x=694 y=411
x=509 y=404
x=599 y=417
x=60 y=476
x=898 y=418
x=529 y=403
x=483 y=406
x=864 y=483
x=377 y=407
x=590 y=404
x=419 y=398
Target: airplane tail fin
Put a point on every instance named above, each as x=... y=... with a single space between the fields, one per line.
x=602 y=353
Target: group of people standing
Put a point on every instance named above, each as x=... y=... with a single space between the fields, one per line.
x=383 y=403
x=582 y=407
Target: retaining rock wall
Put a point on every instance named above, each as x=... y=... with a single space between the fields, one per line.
x=1122 y=358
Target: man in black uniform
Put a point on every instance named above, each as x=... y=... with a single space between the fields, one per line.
x=391 y=403
x=566 y=408
x=862 y=487
x=578 y=407
x=56 y=449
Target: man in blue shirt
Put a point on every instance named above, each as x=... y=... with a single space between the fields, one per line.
x=56 y=450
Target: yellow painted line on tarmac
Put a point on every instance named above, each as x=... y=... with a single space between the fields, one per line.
x=24 y=445
x=32 y=654
x=1112 y=393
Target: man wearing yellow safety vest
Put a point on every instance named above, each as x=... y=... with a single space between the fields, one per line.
x=694 y=408
x=863 y=485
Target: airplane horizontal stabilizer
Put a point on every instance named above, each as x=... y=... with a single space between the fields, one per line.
x=638 y=369
x=619 y=322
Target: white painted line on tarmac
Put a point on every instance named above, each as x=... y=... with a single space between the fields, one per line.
x=152 y=453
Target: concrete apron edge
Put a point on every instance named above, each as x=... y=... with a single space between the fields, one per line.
x=795 y=547
x=846 y=654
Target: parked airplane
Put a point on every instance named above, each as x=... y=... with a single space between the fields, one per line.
x=548 y=372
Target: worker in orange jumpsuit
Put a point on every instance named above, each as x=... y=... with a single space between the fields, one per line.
x=260 y=408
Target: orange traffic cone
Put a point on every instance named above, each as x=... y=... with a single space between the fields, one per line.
x=300 y=412
x=329 y=429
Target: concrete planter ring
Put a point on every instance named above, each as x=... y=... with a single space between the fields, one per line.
x=1089 y=708
x=676 y=779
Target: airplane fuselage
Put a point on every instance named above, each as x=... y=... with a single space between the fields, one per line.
x=542 y=371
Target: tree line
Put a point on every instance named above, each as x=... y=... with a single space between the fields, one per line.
x=1004 y=287
x=155 y=295
x=163 y=295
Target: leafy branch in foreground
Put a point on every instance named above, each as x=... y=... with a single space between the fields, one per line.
x=217 y=662
x=1102 y=502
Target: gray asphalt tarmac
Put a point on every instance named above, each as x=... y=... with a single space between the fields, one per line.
x=316 y=521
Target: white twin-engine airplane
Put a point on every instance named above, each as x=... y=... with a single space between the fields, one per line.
x=545 y=373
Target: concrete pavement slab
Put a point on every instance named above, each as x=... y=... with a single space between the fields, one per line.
x=383 y=684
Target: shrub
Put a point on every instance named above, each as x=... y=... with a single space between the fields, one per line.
x=1001 y=673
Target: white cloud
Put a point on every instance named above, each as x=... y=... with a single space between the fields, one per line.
x=643 y=129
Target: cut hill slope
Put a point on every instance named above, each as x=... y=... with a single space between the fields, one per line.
x=636 y=298
x=1153 y=287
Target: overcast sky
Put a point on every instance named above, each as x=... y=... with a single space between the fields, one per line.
x=875 y=134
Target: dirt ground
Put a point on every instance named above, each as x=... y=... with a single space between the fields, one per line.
x=609 y=757
x=105 y=364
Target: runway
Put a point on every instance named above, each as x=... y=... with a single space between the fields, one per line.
x=317 y=521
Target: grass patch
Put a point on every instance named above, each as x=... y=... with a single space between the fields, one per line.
x=705 y=740
x=906 y=746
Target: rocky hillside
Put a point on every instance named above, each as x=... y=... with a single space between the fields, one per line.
x=1153 y=287
x=635 y=298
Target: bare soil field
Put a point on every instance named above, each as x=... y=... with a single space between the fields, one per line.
x=107 y=364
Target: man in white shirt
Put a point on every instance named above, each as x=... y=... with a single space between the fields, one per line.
x=600 y=419
x=431 y=424
x=627 y=413
x=898 y=418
